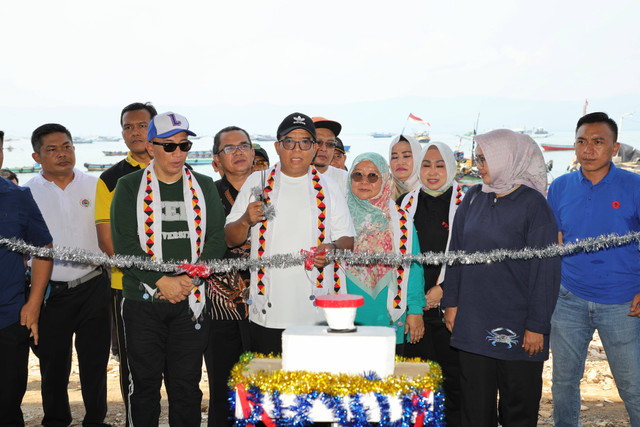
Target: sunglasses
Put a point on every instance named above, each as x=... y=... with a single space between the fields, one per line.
x=371 y=178
x=170 y=147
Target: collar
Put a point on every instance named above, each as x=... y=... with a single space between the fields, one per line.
x=42 y=180
x=134 y=162
x=613 y=170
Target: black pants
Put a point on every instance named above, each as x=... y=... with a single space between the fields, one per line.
x=14 y=359
x=265 y=340
x=435 y=346
x=228 y=339
x=116 y=306
x=161 y=338
x=519 y=383
x=83 y=311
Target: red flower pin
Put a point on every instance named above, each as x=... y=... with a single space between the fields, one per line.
x=615 y=204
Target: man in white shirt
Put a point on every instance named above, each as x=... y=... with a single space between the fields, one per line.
x=78 y=299
x=310 y=211
x=326 y=132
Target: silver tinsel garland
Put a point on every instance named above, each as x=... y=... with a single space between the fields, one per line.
x=82 y=256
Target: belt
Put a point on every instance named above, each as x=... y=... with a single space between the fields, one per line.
x=77 y=282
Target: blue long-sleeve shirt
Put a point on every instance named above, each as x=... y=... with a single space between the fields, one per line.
x=496 y=302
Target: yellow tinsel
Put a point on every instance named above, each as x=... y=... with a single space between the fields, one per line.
x=302 y=382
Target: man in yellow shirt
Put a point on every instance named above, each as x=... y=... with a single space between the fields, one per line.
x=134 y=120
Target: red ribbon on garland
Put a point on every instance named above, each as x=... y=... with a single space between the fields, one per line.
x=310 y=255
x=193 y=270
x=420 y=416
x=246 y=407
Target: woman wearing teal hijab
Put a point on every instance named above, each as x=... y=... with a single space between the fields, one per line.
x=393 y=295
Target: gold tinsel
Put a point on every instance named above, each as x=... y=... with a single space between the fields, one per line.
x=302 y=382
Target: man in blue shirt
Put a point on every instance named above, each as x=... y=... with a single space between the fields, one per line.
x=20 y=218
x=600 y=290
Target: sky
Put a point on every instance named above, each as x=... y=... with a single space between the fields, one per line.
x=267 y=57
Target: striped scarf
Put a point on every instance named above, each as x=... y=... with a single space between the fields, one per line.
x=149 y=217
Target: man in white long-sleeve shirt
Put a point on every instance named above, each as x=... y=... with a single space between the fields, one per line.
x=310 y=211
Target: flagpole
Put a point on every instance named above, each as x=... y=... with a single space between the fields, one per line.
x=405 y=124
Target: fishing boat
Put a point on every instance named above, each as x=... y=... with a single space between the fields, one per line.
x=26 y=169
x=466 y=175
x=108 y=139
x=80 y=140
x=422 y=137
x=556 y=147
x=262 y=137
x=200 y=161
x=381 y=134
x=200 y=154
x=97 y=166
x=114 y=153
x=540 y=132
x=346 y=148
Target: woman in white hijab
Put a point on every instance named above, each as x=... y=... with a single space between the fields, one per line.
x=433 y=206
x=404 y=161
x=500 y=313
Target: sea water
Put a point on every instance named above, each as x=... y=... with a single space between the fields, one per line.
x=18 y=151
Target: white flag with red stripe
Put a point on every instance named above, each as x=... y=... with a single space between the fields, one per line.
x=418 y=119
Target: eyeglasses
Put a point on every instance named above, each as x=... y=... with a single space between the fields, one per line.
x=170 y=147
x=372 y=178
x=479 y=161
x=290 y=144
x=230 y=149
x=330 y=144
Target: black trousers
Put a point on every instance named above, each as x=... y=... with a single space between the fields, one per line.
x=162 y=340
x=519 y=383
x=435 y=346
x=265 y=340
x=228 y=339
x=14 y=360
x=116 y=305
x=82 y=311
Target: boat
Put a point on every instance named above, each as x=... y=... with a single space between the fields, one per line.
x=200 y=154
x=262 y=137
x=346 y=148
x=538 y=132
x=80 y=140
x=467 y=176
x=468 y=134
x=97 y=166
x=26 y=169
x=114 y=153
x=556 y=147
x=381 y=134
x=200 y=161
x=108 y=139
x=422 y=137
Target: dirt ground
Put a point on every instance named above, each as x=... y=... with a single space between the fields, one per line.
x=601 y=405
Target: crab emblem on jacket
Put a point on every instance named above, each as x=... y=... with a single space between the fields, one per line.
x=503 y=336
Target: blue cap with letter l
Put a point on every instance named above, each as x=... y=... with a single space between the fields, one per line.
x=167 y=124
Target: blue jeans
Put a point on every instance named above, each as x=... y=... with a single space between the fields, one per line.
x=572 y=325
